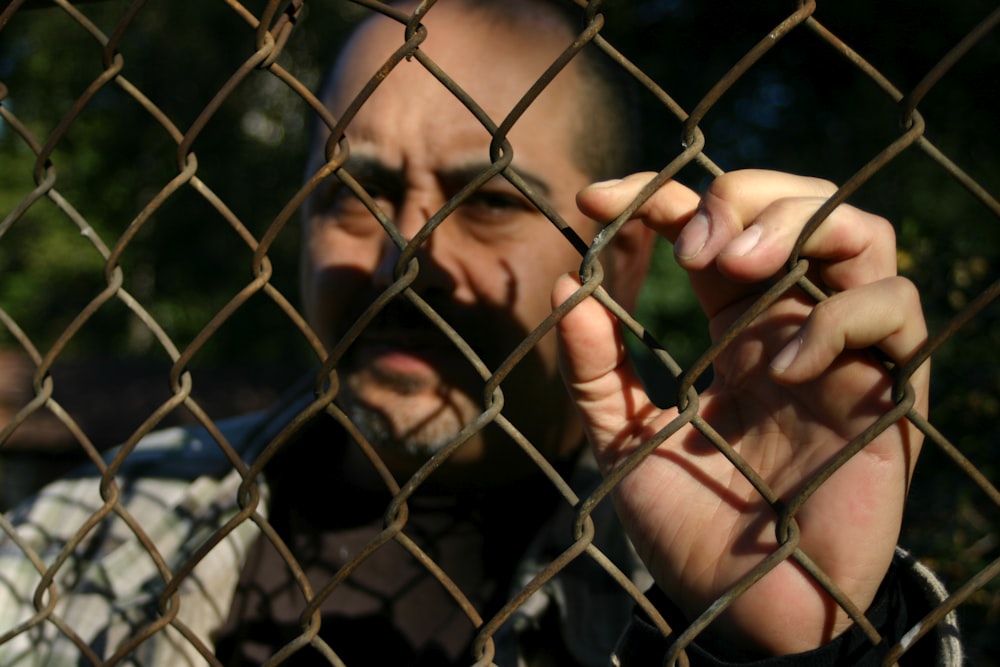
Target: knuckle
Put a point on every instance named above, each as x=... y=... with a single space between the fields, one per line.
x=882 y=229
x=823 y=187
x=825 y=313
x=906 y=291
x=725 y=183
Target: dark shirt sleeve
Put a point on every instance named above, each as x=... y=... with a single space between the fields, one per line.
x=899 y=604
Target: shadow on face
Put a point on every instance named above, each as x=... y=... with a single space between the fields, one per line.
x=410 y=389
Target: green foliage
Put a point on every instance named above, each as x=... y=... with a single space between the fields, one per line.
x=187 y=260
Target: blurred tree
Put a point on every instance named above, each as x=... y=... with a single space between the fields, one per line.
x=186 y=261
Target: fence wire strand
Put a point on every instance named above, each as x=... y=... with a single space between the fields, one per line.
x=270 y=43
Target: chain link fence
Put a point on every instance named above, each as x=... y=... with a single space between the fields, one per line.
x=152 y=182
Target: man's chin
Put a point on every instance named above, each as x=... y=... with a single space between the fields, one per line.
x=479 y=462
x=414 y=425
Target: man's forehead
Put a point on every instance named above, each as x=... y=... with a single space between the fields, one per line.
x=401 y=138
x=453 y=173
x=412 y=116
x=488 y=59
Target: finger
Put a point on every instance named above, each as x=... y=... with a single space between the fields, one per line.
x=854 y=247
x=666 y=210
x=885 y=314
x=701 y=227
x=731 y=203
x=614 y=407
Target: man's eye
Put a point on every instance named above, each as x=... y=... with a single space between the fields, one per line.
x=377 y=192
x=339 y=205
x=337 y=199
x=487 y=204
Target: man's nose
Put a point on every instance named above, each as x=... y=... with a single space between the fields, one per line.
x=431 y=274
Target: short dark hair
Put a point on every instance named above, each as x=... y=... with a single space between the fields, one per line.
x=607 y=141
x=608 y=144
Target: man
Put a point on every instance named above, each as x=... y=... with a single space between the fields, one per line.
x=788 y=393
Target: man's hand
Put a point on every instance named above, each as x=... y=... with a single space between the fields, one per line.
x=788 y=394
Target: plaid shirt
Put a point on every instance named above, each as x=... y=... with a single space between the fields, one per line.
x=102 y=597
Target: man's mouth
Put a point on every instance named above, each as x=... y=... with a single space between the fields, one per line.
x=401 y=348
x=398 y=359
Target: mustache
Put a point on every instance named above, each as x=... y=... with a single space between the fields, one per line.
x=401 y=318
x=488 y=330
x=399 y=313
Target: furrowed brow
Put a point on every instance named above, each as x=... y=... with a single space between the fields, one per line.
x=456 y=178
x=367 y=169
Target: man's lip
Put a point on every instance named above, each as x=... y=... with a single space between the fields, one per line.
x=411 y=352
x=398 y=359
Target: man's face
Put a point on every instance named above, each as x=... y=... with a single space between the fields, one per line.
x=488 y=269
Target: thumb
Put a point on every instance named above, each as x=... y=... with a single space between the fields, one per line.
x=595 y=366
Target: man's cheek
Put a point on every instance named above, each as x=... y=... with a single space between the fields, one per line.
x=337 y=296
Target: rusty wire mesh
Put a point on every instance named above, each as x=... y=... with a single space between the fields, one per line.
x=270 y=30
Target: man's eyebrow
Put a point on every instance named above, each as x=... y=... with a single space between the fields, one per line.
x=458 y=177
x=369 y=168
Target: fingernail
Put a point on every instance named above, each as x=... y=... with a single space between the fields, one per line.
x=693 y=238
x=784 y=359
x=744 y=243
x=605 y=185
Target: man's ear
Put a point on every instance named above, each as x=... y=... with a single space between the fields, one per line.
x=626 y=262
